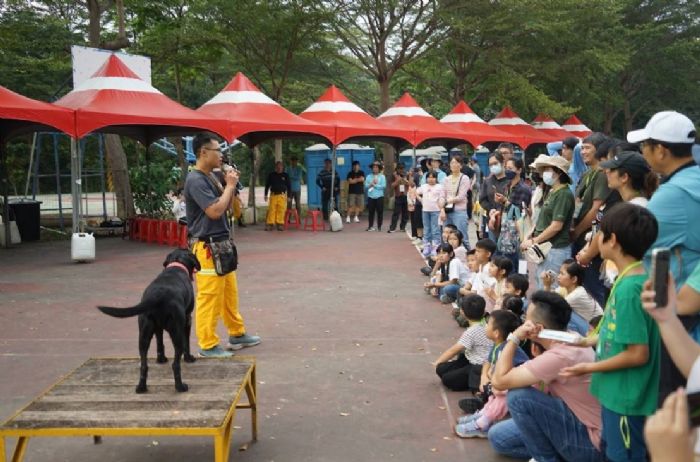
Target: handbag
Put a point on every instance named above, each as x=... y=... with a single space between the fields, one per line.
x=509 y=239
x=538 y=252
x=449 y=208
x=225 y=256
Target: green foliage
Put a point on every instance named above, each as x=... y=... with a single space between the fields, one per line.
x=150 y=184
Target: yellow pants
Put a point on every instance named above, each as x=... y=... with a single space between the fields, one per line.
x=275 y=212
x=217 y=297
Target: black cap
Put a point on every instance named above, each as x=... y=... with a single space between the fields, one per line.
x=629 y=160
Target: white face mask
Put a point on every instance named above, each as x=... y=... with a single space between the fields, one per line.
x=496 y=169
x=548 y=178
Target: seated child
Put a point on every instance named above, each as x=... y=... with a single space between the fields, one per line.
x=483 y=250
x=513 y=303
x=455 y=239
x=500 y=268
x=570 y=281
x=456 y=274
x=518 y=284
x=501 y=323
x=471 y=350
x=430 y=260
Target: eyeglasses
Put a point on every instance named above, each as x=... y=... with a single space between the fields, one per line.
x=212 y=149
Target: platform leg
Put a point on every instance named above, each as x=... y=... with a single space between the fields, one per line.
x=228 y=436
x=250 y=389
x=20 y=449
x=219 y=449
x=3 y=456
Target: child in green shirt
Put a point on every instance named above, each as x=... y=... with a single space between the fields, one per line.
x=625 y=375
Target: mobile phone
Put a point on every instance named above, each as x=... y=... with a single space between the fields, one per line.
x=694 y=408
x=558 y=335
x=660 y=265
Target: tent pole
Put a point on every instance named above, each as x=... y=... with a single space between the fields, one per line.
x=251 y=186
x=31 y=164
x=74 y=185
x=331 y=207
x=5 y=194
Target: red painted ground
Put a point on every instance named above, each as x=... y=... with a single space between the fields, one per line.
x=346 y=328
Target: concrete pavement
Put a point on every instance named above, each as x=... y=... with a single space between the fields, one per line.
x=344 y=369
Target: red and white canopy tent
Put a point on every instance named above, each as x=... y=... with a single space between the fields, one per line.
x=115 y=100
x=577 y=128
x=475 y=130
x=253 y=117
x=18 y=115
x=407 y=114
x=508 y=120
x=550 y=127
x=349 y=122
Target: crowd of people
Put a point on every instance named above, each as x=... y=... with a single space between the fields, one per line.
x=565 y=354
x=583 y=366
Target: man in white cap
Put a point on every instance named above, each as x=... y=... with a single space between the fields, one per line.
x=666 y=143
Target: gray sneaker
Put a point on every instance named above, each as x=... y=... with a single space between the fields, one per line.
x=215 y=352
x=242 y=341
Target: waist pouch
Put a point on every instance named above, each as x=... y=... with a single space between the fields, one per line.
x=225 y=256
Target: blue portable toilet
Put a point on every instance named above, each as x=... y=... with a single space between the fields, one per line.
x=346 y=154
x=482 y=158
x=406 y=156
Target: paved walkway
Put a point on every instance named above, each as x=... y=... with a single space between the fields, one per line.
x=344 y=367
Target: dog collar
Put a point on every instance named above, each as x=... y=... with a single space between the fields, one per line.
x=176 y=264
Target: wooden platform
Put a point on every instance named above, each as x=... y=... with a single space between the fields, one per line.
x=98 y=399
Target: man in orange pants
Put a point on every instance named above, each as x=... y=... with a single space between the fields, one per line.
x=207 y=204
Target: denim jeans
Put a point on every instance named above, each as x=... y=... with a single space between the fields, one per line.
x=592 y=281
x=542 y=427
x=553 y=262
x=431 y=228
x=459 y=219
x=451 y=290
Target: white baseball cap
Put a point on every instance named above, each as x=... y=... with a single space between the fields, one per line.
x=667 y=126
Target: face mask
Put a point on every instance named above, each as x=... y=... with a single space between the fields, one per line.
x=510 y=174
x=548 y=178
x=496 y=169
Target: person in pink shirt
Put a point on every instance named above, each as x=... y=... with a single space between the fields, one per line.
x=431 y=194
x=562 y=423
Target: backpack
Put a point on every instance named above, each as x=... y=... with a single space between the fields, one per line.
x=509 y=239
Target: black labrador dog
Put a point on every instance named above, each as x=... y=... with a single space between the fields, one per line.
x=167 y=304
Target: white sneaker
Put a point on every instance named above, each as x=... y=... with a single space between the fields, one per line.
x=357 y=219
x=347 y=220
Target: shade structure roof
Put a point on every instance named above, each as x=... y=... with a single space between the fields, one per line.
x=511 y=122
x=550 y=127
x=473 y=127
x=349 y=122
x=574 y=126
x=19 y=114
x=406 y=114
x=116 y=100
x=253 y=117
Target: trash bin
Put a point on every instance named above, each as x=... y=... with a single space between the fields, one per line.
x=26 y=214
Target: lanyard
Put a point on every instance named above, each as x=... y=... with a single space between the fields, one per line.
x=624 y=272
x=493 y=355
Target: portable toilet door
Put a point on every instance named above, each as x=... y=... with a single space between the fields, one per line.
x=314 y=156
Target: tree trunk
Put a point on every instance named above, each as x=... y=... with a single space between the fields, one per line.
x=278 y=150
x=181 y=160
x=384 y=82
x=253 y=176
x=116 y=161
x=116 y=158
x=629 y=117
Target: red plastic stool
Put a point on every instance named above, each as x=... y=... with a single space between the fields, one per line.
x=316 y=221
x=153 y=230
x=173 y=238
x=164 y=231
x=292 y=213
x=182 y=240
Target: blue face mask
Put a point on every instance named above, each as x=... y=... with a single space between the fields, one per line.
x=510 y=174
x=496 y=169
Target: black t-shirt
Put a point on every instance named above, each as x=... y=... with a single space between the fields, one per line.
x=356 y=188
